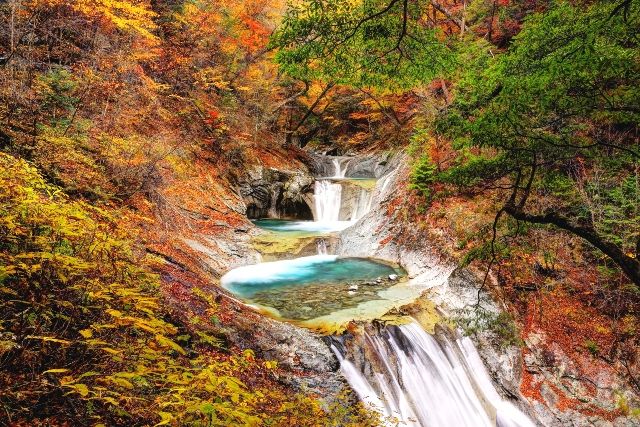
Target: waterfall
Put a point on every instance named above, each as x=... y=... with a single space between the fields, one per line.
x=321 y=244
x=338 y=172
x=362 y=205
x=328 y=197
x=329 y=194
x=425 y=382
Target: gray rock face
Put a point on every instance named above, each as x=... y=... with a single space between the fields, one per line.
x=217 y=255
x=370 y=166
x=356 y=199
x=365 y=166
x=273 y=193
x=423 y=264
x=310 y=364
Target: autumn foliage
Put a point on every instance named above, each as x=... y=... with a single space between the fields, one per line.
x=107 y=110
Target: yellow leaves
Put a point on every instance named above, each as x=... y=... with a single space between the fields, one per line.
x=166 y=342
x=80 y=388
x=110 y=400
x=48 y=339
x=271 y=364
x=119 y=381
x=3 y=289
x=165 y=418
x=249 y=354
x=124 y=15
x=56 y=371
x=86 y=333
x=211 y=78
x=115 y=313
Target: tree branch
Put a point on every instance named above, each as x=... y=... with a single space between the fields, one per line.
x=629 y=265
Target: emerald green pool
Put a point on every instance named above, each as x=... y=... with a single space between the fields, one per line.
x=309 y=287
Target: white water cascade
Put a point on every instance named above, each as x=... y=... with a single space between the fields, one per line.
x=328 y=199
x=362 y=205
x=339 y=172
x=322 y=247
x=424 y=382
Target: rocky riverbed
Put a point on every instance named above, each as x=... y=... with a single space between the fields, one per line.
x=310 y=302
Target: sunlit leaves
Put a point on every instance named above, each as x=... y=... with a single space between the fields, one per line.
x=133 y=16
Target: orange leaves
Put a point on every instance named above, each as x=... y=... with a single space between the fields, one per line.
x=386 y=240
x=255 y=35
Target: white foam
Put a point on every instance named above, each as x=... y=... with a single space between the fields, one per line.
x=314 y=226
x=269 y=272
x=328 y=199
x=424 y=382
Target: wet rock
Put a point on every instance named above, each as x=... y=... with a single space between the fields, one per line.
x=273 y=193
x=308 y=362
x=393 y=277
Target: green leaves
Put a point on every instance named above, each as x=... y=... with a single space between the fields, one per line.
x=552 y=122
x=369 y=43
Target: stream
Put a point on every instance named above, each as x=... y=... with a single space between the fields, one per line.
x=405 y=373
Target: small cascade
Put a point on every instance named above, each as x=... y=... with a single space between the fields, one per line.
x=426 y=382
x=338 y=199
x=322 y=247
x=338 y=171
x=328 y=198
x=362 y=205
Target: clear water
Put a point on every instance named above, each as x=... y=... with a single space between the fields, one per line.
x=302 y=228
x=249 y=280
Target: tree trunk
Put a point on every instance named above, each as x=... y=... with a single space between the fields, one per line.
x=630 y=266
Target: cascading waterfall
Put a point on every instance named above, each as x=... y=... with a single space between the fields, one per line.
x=425 y=382
x=328 y=198
x=338 y=171
x=362 y=205
x=322 y=247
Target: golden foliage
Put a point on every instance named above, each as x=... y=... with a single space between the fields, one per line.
x=81 y=320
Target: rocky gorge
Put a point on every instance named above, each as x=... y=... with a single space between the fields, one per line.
x=433 y=293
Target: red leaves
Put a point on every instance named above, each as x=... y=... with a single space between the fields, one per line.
x=213 y=118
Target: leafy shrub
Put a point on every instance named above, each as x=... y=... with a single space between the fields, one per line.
x=502 y=325
x=423 y=176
